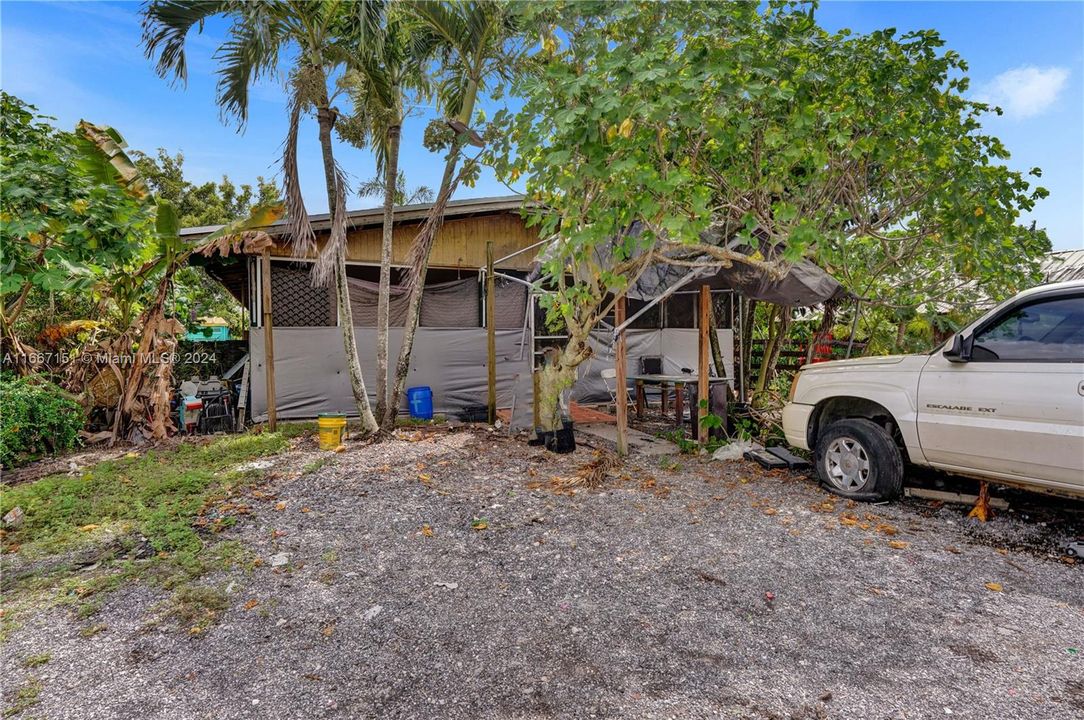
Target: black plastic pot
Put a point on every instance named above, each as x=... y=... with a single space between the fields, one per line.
x=564 y=440
x=542 y=437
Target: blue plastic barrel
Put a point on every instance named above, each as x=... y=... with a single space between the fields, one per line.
x=420 y=401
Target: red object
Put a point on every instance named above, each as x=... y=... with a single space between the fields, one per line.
x=822 y=351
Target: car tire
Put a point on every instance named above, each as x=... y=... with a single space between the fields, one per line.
x=858 y=459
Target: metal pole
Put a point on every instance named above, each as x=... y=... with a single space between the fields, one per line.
x=491 y=335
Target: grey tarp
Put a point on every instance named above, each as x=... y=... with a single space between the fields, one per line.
x=456 y=304
x=310 y=370
x=450 y=304
x=804 y=283
x=678 y=348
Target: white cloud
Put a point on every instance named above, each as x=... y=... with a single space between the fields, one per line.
x=1026 y=91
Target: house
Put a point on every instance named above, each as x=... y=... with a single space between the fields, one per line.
x=450 y=348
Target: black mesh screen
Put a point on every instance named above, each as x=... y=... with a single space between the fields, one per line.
x=295 y=302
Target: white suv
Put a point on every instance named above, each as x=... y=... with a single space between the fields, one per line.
x=1002 y=400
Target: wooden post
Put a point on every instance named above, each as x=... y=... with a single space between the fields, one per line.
x=268 y=341
x=491 y=335
x=621 y=367
x=641 y=400
x=703 y=363
x=535 y=416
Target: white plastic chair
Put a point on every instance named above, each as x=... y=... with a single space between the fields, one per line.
x=609 y=376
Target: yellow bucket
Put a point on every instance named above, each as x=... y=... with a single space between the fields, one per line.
x=331 y=426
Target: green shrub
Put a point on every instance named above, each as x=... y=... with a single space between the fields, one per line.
x=35 y=419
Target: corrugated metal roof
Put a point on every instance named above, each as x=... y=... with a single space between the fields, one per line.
x=374 y=216
x=1063 y=265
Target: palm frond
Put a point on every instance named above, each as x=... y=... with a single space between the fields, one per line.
x=302 y=237
x=166 y=24
x=250 y=53
x=323 y=270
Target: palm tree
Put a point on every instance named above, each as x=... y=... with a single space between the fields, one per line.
x=317 y=36
x=403 y=196
x=386 y=73
x=471 y=39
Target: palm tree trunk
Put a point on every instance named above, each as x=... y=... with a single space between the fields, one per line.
x=326 y=120
x=383 y=310
x=423 y=246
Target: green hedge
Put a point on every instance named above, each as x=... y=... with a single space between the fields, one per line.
x=35 y=420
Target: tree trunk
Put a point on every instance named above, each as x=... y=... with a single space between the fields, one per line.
x=326 y=118
x=423 y=246
x=717 y=355
x=778 y=328
x=555 y=378
x=748 y=318
x=901 y=334
x=391 y=173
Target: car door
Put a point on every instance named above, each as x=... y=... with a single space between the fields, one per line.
x=1015 y=408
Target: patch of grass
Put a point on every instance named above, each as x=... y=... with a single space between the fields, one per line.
x=25 y=697
x=415 y=422
x=143 y=507
x=92 y=630
x=315 y=465
x=197 y=606
x=231 y=554
x=158 y=494
x=291 y=430
x=670 y=464
x=330 y=556
x=33 y=661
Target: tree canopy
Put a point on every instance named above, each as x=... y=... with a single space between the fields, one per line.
x=738 y=133
x=861 y=151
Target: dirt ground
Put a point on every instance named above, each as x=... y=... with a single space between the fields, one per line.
x=461 y=574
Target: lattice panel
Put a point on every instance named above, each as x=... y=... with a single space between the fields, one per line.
x=295 y=302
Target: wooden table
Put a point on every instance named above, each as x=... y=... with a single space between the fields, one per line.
x=664 y=382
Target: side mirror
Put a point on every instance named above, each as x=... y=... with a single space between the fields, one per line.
x=960 y=351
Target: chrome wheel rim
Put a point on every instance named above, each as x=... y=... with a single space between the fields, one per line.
x=847 y=464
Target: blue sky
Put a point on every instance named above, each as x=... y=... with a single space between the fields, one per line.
x=82 y=60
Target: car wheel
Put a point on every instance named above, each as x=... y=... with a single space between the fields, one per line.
x=858 y=459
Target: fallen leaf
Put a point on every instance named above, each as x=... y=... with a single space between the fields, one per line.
x=306 y=509
x=328 y=629
x=886 y=529
x=479 y=524
x=897 y=544
x=770 y=511
x=993 y=587
x=341 y=448
x=251 y=604
x=427 y=531
x=88 y=528
x=281 y=505
x=953 y=549
x=424 y=477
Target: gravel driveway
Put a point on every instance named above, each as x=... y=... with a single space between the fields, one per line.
x=448 y=574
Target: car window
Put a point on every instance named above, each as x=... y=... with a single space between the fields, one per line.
x=1044 y=331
